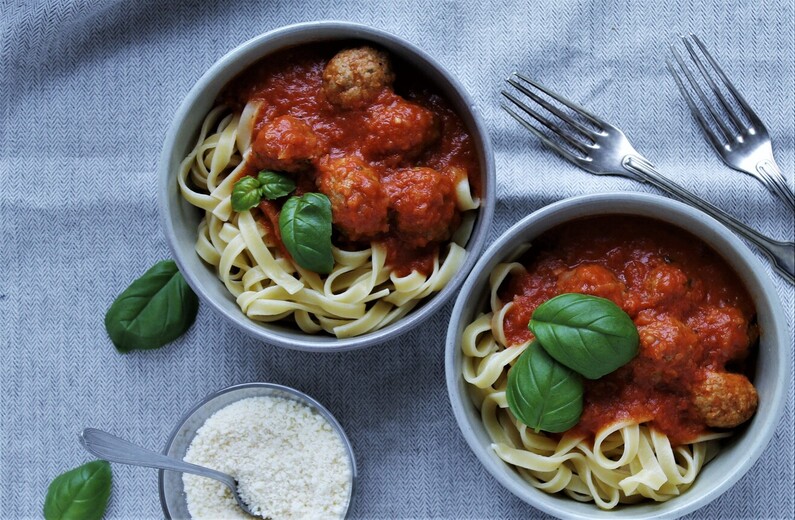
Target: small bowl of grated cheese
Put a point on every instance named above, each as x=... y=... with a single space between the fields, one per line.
x=289 y=455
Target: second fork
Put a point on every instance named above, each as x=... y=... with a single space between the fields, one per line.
x=732 y=127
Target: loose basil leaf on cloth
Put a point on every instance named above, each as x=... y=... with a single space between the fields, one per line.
x=246 y=194
x=588 y=334
x=154 y=310
x=80 y=494
x=274 y=185
x=542 y=393
x=305 y=224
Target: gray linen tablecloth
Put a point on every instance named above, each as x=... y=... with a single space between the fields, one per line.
x=88 y=88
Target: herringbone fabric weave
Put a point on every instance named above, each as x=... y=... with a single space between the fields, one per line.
x=87 y=90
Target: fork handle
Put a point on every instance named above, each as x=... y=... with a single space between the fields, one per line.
x=781 y=254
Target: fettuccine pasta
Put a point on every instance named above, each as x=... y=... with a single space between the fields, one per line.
x=625 y=463
x=360 y=295
x=649 y=426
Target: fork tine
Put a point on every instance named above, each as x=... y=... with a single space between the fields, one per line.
x=546 y=122
x=574 y=106
x=587 y=132
x=700 y=64
x=693 y=108
x=546 y=140
x=700 y=93
x=728 y=84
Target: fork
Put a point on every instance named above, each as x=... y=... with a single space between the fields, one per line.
x=599 y=147
x=743 y=147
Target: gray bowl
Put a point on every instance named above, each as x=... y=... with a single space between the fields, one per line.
x=772 y=376
x=180 y=220
x=172 y=491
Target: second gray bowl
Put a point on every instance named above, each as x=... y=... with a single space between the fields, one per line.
x=772 y=377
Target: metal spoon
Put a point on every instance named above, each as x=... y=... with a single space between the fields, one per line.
x=115 y=449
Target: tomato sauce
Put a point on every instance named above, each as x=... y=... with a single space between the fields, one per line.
x=692 y=313
x=381 y=136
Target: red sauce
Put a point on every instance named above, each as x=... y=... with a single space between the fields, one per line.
x=692 y=313
x=408 y=125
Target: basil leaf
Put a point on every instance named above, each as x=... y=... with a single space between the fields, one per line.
x=245 y=194
x=154 y=310
x=588 y=334
x=542 y=393
x=305 y=224
x=274 y=185
x=80 y=494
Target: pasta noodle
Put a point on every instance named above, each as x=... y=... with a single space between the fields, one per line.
x=625 y=462
x=361 y=294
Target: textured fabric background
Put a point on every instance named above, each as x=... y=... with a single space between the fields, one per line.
x=87 y=90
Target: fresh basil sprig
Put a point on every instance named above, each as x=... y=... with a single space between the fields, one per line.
x=305 y=225
x=246 y=194
x=248 y=191
x=588 y=334
x=576 y=334
x=304 y=222
x=542 y=393
x=274 y=185
x=79 y=494
x=154 y=310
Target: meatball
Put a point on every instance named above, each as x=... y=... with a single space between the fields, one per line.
x=592 y=279
x=400 y=127
x=724 y=331
x=725 y=400
x=423 y=205
x=353 y=78
x=287 y=144
x=665 y=284
x=358 y=202
x=666 y=340
x=667 y=349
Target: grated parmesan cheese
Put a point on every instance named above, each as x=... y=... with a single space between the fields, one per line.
x=288 y=460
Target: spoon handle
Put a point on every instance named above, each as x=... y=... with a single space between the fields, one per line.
x=115 y=449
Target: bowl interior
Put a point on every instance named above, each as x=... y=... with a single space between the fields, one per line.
x=772 y=376
x=180 y=219
x=172 y=492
